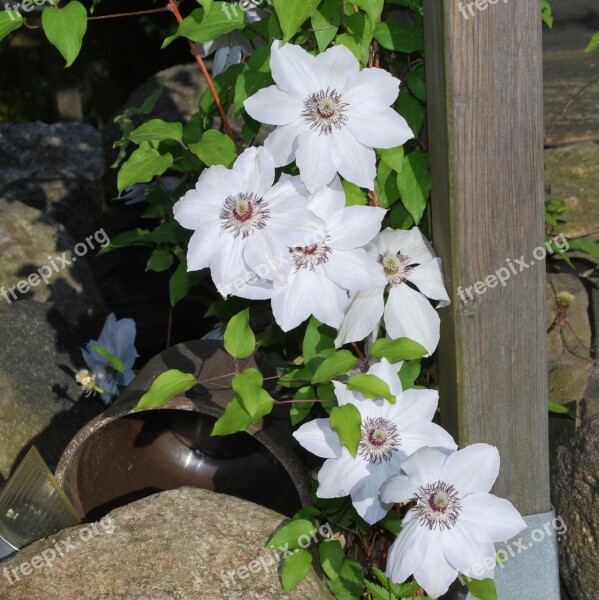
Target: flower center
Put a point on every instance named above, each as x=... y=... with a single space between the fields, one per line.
x=379 y=440
x=325 y=111
x=309 y=257
x=438 y=505
x=243 y=213
x=396 y=267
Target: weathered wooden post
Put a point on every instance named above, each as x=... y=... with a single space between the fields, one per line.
x=484 y=82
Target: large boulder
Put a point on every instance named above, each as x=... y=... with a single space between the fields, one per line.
x=39 y=256
x=575 y=495
x=40 y=401
x=57 y=169
x=181 y=544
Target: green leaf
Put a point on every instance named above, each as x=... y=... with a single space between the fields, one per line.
x=300 y=411
x=240 y=340
x=292 y=14
x=331 y=558
x=143 y=165
x=165 y=387
x=160 y=260
x=136 y=237
x=373 y=8
x=371 y=386
x=215 y=148
x=65 y=28
x=483 y=589
x=223 y=18
x=293 y=535
x=392 y=34
x=318 y=337
x=354 y=196
x=393 y=157
x=9 y=21
x=157 y=130
x=114 y=360
x=350 y=583
x=255 y=76
x=416 y=81
x=400 y=218
x=392 y=522
x=248 y=386
x=295 y=569
x=586 y=245
x=411 y=110
x=386 y=185
x=206 y=5
x=593 y=44
x=547 y=15
x=408 y=373
x=347 y=422
x=399 y=349
x=559 y=409
x=415 y=184
x=236 y=418
x=182 y=281
x=333 y=366
x=325 y=23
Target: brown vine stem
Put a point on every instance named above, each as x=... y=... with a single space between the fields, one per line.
x=175 y=10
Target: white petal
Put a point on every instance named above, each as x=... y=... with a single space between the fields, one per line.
x=296 y=228
x=314 y=160
x=355 y=270
x=329 y=203
x=409 y=314
x=223 y=59
x=118 y=337
x=217 y=183
x=371 y=91
x=407 y=552
x=254 y=288
x=338 y=476
x=362 y=315
x=288 y=192
x=255 y=167
x=194 y=212
x=355 y=162
x=357 y=226
x=412 y=243
x=428 y=278
x=420 y=434
x=294 y=70
x=283 y=142
x=468 y=553
x=207 y=48
x=318 y=437
x=497 y=517
x=425 y=466
x=345 y=395
x=388 y=373
x=417 y=405
x=398 y=489
x=290 y=303
x=386 y=129
x=274 y=106
x=338 y=66
x=329 y=301
x=435 y=574
x=261 y=255
x=227 y=266
x=472 y=469
x=365 y=497
x=201 y=246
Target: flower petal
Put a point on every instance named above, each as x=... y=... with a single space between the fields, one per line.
x=388 y=373
x=362 y=315
x=421 y=434
x=365 y=497
x=294 y=70
x=227 y=266
x=468 y=553
x=428 y=278
x=329 y=203
x=417 y=405
x=314 y=160
x=201 y=246
x=274 y=106
x=355 y=162
x=371 y=91
x=317 y=437
x=355 y=270
x=338 y=476
x=357 y=226
x=386 y=129
x=435 y=574
x=425 y=466
x=407 y=552
x=409 y=314
x=194 y=212
x=329 y=300
x=338 y=66
x=472 y=469
x=497 y=517
x=256 y=169
x=289 y=302
x=283 y=142
x=398 y=489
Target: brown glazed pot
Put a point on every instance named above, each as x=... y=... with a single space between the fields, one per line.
x=122 y=455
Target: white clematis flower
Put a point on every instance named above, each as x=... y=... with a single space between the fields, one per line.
x=318 y=276
x=390 y=433
x=243 y=223
x=118 y=337
x=406 y=256
x=453 y=525
x=330 y=115
x=229 y=49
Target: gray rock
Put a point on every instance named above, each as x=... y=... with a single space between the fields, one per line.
x=40 y=402
x=175 y=545
x=575 y=495
x=57 y=169
x=31 y=243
